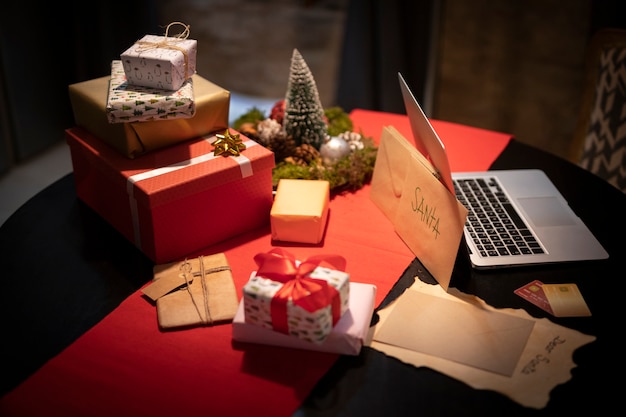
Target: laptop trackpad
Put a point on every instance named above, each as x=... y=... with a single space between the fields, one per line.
x=546 y=211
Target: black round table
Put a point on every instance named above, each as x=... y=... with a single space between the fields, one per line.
x=64 y=269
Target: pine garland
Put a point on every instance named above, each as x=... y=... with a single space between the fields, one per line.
x=298 y=127
x=348 y=174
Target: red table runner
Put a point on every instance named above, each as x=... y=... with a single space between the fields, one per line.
x=126 y=366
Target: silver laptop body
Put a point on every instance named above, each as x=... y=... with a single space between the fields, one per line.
x=530 y=221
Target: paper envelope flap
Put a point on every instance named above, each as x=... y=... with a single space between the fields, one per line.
x=394 y=156
x=427 y=217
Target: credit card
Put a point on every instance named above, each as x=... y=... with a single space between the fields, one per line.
x=533 y=292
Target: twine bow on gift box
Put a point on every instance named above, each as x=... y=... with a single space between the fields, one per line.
x=311 y=294
x=169 y=42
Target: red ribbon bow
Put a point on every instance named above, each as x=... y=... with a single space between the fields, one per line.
x=308 y=293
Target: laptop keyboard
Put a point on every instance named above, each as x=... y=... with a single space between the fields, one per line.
x=492 y=222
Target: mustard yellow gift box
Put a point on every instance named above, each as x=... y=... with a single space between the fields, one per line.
x=89 y=104
x=300 y=210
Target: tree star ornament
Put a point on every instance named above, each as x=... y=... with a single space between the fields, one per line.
x=227 y=144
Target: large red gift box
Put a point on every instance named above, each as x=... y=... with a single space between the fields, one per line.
x=177 y=200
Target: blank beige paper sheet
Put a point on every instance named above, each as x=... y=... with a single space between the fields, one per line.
x=460 y=332
x=503 y=350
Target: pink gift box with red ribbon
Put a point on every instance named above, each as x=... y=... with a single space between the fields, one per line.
x=177 y=200
x=304 y=299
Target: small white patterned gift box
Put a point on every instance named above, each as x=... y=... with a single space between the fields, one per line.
x=306 y=306
x=164 y=62
x=132 y=103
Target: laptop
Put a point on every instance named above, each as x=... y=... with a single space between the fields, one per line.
x=516 y=217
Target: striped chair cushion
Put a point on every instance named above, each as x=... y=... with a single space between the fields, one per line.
x=604 y=151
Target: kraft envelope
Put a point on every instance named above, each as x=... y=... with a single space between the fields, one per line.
x=427 y=217
x=460 y=332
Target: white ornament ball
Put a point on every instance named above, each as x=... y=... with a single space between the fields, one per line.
x=333 y=149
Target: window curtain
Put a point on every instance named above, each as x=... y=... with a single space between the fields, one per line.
x=381 y=39
x=43 y=49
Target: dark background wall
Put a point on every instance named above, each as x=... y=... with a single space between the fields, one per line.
x=508 y=66
x=517 y=66
x=43 y=49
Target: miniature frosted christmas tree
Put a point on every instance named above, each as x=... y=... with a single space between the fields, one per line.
x=304 y=114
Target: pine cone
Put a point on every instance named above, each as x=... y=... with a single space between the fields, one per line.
x=305 y=154
x=283 y=146
x=249 y=130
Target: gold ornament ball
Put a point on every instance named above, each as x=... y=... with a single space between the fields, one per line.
x=333 y=149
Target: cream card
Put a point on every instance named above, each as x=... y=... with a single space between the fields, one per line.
x=566 y=300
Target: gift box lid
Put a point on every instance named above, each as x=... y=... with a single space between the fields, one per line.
x=156 y=177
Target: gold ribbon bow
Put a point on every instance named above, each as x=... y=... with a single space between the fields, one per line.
x=227 y=144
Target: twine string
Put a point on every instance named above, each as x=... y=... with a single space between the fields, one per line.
x=169 y=42
x=205 y=291
x=183 y=35
x=204 y=272
x=186 y=268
